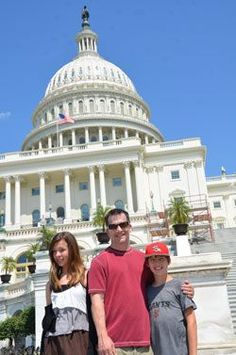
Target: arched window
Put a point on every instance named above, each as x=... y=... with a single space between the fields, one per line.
x=70 y=107
x=81 y=106
x=81 y=140
x=102 y=105
x=60 y=212
x=84 y=212
x=52 y=113
x=112 y=106
x=35 y=218
x=122 y=108
x=21 y=266
x=105 y=138
x=2 y=219
x=130 y=110
x=91 y=106
x=119 y=204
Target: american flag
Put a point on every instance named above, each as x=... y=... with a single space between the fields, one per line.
x=62 y=119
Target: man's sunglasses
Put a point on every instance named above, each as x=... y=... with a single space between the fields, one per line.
x=122 y=225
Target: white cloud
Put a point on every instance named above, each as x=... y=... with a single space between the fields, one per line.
x=5 y=115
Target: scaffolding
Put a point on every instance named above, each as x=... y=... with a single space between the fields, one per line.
x=200 y=223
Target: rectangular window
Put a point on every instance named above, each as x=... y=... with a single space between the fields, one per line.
x=175 y=175
x=2 y=195
x=116 y=181
x=216 y=204
x=35 y=191
x=83 y=185
x=59 y=188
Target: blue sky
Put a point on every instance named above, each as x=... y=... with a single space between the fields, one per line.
x=180 y=54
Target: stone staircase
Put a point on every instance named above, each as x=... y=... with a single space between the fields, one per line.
x=225 y=243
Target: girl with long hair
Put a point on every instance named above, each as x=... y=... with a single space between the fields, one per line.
x=66 y=295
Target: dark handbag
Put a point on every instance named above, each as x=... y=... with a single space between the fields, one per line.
x=49 y=320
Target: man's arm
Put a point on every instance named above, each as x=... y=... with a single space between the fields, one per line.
x=105 y=344
x=191 y=331
x=187 y=289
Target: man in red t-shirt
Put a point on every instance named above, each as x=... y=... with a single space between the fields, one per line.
x=117 y=289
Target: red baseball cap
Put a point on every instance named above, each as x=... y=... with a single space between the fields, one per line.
x=157 y=249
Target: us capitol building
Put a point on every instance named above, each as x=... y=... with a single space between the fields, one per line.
x=106 y=152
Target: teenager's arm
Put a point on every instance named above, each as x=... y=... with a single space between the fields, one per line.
x=105 y=344
x=48 y=294
x=191 y=331
x=187 y=289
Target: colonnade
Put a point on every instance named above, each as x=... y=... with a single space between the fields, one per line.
x=16 y=181
x=101 y=135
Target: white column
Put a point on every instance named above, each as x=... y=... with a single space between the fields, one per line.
x=113 y=133
x=128 y=187
x=102 y=185
x=17 y=201
x=42 y=177
x=161 y=186
x=126 y=133
x=201 y=177
x=188 y=167
x=146 y=139
x=60 y=139
x=227 y=211
x=92 y=189
x=49 y=142
x=139 y=186
x=86 y=135
x=67 y=196
x=73 y=137
x=8 y=201
x=100 y=134
x=40 y=145
x=137 y=134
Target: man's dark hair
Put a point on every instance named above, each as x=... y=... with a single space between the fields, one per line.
x=115 y=212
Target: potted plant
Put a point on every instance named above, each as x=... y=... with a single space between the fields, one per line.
x=47 y=235
x=178 y=213
x=8 y=265
x=99 y=221
x=33 y=249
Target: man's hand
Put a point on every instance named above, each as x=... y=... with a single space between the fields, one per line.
x=106 y=346
x=188 y=289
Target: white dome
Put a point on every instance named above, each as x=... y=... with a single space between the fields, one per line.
x=89 y=69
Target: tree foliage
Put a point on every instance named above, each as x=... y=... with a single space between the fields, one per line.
x=22 y=324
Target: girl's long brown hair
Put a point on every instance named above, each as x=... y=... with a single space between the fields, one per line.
x=76 y=269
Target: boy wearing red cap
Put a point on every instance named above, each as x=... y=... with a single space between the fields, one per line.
x=173 y=322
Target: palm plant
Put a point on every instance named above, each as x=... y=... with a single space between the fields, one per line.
x=32 y=250
x=99 y=216
x=178 y=213
x=47 y=235
x=8 y=264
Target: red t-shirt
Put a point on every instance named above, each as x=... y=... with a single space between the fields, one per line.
x=119 y=276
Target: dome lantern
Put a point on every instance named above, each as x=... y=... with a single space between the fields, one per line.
x=86 y=39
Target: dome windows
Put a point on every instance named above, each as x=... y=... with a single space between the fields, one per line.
x=112 y=103
x=81 y=107
x=91 y=106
